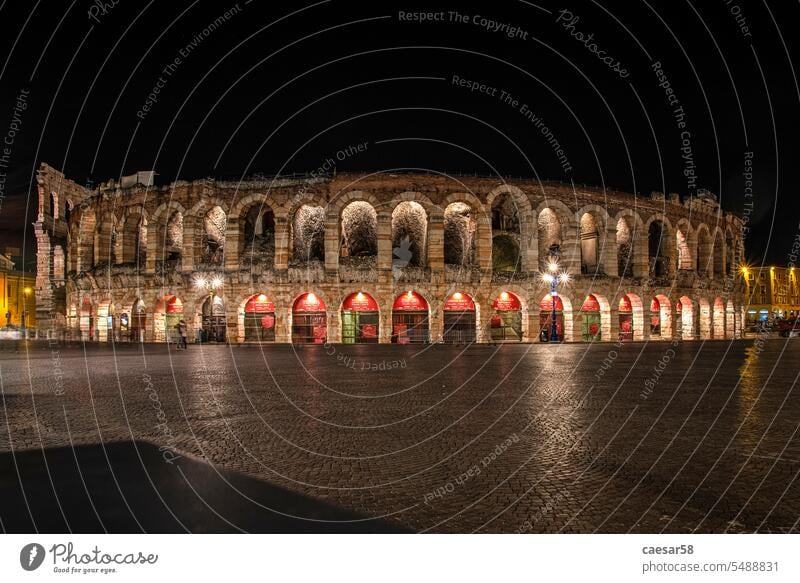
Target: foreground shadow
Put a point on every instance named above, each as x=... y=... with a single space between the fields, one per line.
x=129 y=487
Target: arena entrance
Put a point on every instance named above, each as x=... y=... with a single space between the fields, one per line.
x=360 y=319
x=655 y=317
x=138 y=321
x=506 y=320
x=214 y=324
x=309 y=321
x=459 y=319
x=259 y=319
x=169 y=311
x=410 y=324
x=590 y=312
x=625 y=319
x=546 y=319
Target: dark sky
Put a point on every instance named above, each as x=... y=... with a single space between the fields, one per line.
x=283 y=87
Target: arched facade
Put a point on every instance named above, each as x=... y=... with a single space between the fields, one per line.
x=631 y=260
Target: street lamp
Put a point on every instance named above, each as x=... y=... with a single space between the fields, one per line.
x=554 y=277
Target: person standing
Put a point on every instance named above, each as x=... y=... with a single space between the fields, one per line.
x=182 y=335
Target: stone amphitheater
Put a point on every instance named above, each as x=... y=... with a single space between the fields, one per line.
x=381 y=257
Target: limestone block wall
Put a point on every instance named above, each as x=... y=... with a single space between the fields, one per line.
x=143 y=245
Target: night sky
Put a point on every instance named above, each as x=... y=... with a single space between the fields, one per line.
x=266 y=87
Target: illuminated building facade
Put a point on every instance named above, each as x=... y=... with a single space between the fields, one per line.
x=386 y=258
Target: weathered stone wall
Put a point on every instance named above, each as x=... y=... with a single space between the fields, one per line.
x=106 y=277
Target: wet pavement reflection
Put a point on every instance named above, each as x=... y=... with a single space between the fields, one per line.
x=671 y=437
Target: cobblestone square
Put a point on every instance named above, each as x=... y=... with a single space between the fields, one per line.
x=639 y=437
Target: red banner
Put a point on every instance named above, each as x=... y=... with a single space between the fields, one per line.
x=625 y=304
x=547 y=304
x=174 y=306
x=459 y=302
x=360 y=302
x=369 y=331
x=590 y=304
x=655 y=306
x=410 y=301
x=309 y=302
x=507 y=302
x=268 y=322
x=259 y=304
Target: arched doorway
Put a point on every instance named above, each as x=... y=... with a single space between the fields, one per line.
x=360 y=319
x=592 y=322
x=625 y=319
x=546 y=319
x=87 y=321
x=655 y=317
x=214 y=324
x=459 y=319
x=259 y=319
x=684 y=318
x=660 y=317
x=718 y=319
x=169 y=311
x=410 y=323
x=138 y=321
x=309 y=322
x=506 y=320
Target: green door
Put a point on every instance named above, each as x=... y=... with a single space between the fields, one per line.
x=591 y=326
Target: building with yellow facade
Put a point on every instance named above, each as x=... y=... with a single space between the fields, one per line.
x=17 y=297
x=770 y=293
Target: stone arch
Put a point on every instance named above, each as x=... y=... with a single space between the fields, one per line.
x=410 y=222
x=358 y=229
x=685 y=320
x=461 y=234
x=637 y=314
x=307 y=233
x=604 y=311
x=85 y=241
x=213 y=236
x=520 y=198
x=660 y=317
x=567 y=314
x=105 y=240
x=521 y=294
x=592 y=221
x=704 y=250
x=719 y=253
x=659 y=248
x=506 y=223
x=134 y=237
x=526 y=232
x=718 y=327
x=88 y=318
x=551 y=236
x=165 y=234
x=705 y=315
x=482 y=231
x=252 y=232
x=684 y=241
x=629 y=239
x=730 y=319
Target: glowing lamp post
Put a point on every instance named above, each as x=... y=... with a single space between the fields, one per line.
x=553 y=277
x=210 y=285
